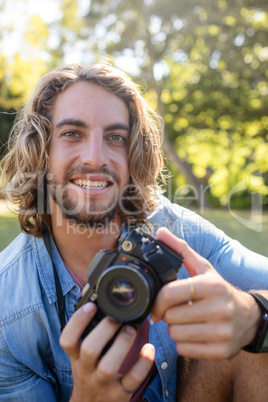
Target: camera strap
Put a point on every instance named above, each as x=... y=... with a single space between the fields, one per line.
x=60 y=298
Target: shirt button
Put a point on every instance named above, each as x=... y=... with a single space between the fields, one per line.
x=166 y=393
x=164 y=366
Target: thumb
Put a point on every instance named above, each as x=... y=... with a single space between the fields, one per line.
x=195 y=264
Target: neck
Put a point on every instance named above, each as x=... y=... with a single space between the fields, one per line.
x=77 y=244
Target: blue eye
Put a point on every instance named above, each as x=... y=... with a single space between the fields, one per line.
x=116 y=137
x=71 y=134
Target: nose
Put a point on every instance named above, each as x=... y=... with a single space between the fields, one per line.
x=93 y=152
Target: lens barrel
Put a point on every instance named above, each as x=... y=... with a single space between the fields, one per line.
x=126 y=291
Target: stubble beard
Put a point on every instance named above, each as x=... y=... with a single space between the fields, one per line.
x=91 y=213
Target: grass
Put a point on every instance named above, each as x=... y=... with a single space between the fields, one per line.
x=254 y=238
x=9 y=229
x=9 y=225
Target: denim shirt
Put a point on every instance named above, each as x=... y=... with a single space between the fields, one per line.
x=33 y=366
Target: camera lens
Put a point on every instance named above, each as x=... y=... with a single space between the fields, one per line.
x=123 y=292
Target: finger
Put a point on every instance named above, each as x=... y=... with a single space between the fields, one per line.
x=201 y=313
x=194 y=263
x=201 y=333
x=178 y=293
x=172 y=294
x=205 y=351
x=70 y=339
x=111 y=362
x=216 y=307
x=139 y=371
x=94 y=343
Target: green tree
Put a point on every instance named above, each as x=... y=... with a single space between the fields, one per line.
x=202 y=64
x=19 y=71
x=205 y=67
x=17 y=79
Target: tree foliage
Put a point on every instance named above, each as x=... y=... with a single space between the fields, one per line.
x=204 y=66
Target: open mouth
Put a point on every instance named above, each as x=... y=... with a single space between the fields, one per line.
x=93 y=184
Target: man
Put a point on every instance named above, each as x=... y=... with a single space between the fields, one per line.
x=85 y=157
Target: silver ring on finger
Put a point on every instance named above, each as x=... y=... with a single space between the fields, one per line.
x=123 y=388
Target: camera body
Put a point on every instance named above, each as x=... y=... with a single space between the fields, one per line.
x=124 y=283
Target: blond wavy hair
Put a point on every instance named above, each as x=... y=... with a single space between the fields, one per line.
x=27 y=158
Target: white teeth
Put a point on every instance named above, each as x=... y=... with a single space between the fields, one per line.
x=90 y=183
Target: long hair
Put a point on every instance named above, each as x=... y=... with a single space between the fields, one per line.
x=25 y=165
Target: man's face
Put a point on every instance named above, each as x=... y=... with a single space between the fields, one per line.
x=88 y=159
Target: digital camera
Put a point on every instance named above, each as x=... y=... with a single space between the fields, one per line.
x=124 y=283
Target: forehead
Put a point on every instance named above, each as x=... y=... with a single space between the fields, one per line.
x=86 y=100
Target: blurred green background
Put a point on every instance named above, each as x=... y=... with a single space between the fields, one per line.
x=202 y=64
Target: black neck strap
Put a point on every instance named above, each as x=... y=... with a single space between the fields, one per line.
x=60 y=298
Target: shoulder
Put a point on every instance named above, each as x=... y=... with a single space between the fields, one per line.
x=201 y=235
x=167 y=215
x=20 y=246
x=234 y=262
x=17 y=261
x=184 y=223
x=19 y=280
x=14 y=249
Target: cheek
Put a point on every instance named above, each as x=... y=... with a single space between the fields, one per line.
x=60 y=157
x=124 y=168
x=120 y=161
x=56 y=167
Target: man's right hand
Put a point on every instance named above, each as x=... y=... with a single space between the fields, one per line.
x=97 y=379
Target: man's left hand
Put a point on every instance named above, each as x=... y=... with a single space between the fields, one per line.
x=213 y=320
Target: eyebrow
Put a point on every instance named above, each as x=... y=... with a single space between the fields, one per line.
x=71 y=122
x=117 y=126
x=82 y=124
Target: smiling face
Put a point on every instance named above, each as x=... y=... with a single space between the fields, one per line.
x=88 y=154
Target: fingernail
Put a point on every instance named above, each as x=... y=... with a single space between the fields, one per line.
x=130 y=330
x=149 y=346
x=88 y=307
